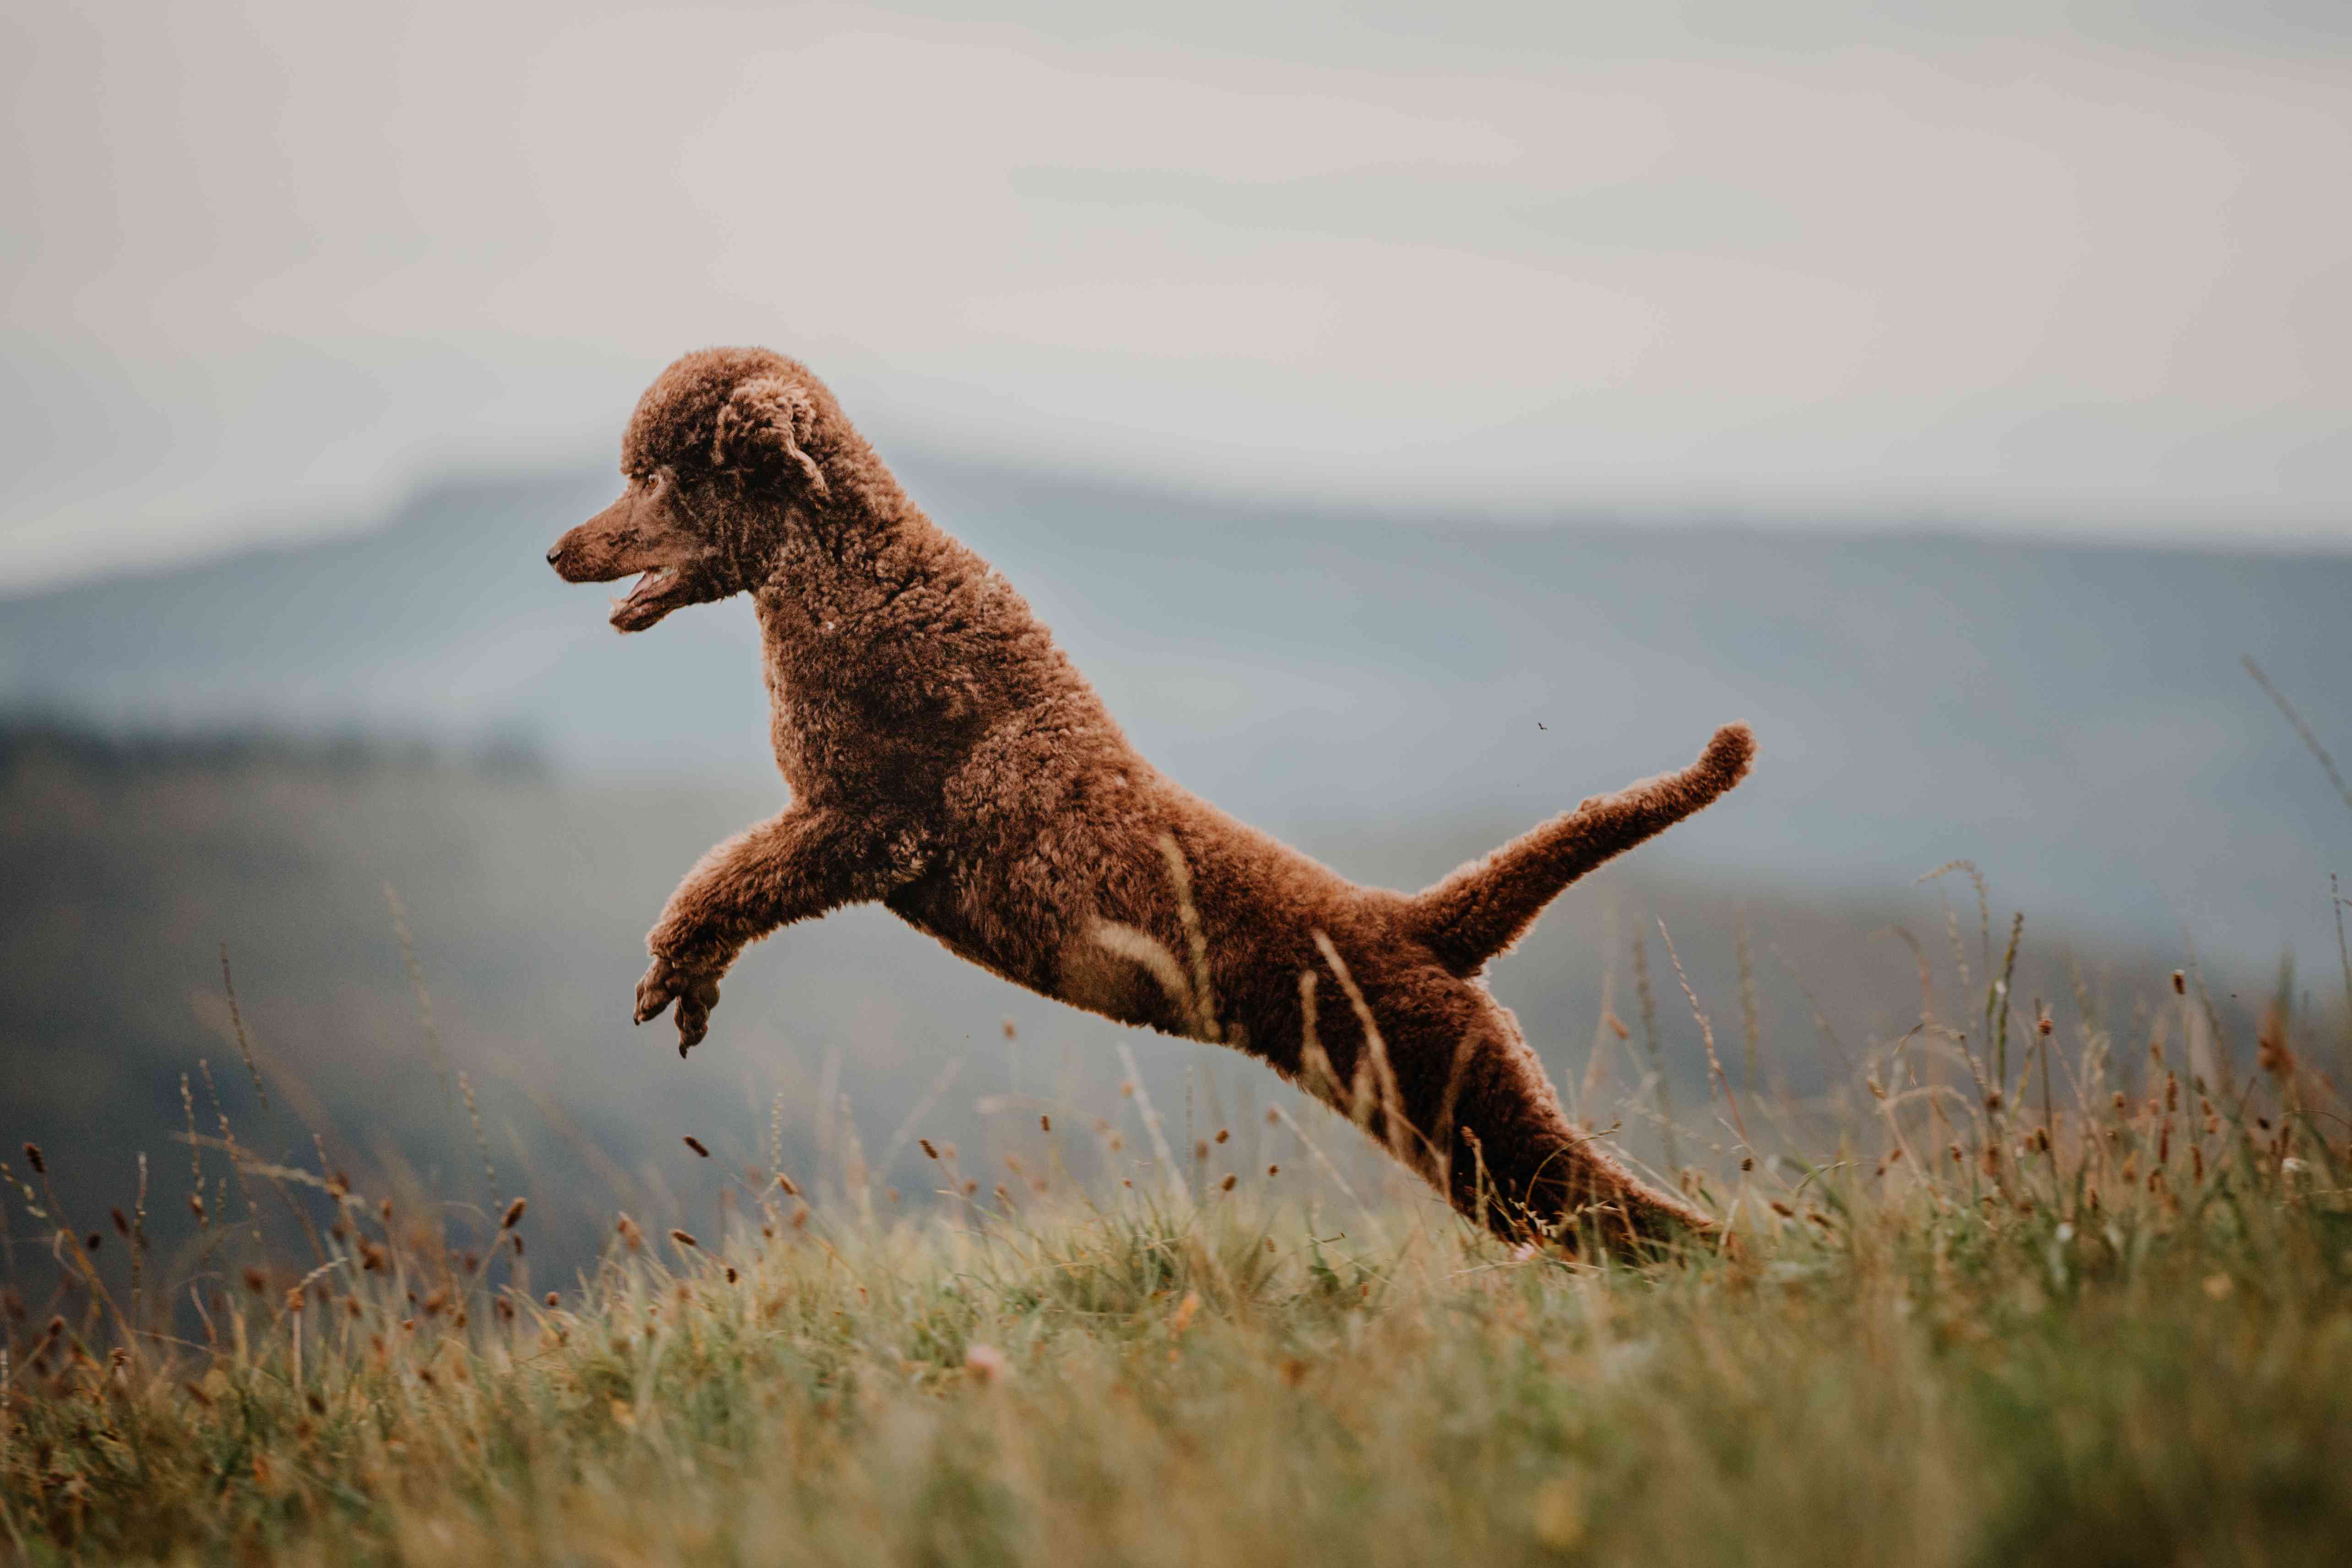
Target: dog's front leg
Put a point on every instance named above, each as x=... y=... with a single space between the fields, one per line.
x=795 y=867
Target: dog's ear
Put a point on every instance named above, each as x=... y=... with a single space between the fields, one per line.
x=769 y=421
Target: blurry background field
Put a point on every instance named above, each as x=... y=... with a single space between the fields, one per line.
x=249 y=752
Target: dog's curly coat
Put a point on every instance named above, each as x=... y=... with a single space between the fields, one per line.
x=946 y=759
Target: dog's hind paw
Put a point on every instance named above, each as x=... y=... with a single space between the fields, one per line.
x=695 y=993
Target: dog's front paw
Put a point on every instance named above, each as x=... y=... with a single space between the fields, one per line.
x=695 y=991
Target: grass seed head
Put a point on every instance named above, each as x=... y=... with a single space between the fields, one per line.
x=2271 y=1052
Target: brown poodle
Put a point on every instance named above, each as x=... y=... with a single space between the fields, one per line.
x=946 y=759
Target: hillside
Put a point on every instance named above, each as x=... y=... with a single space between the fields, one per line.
x=2074 y=719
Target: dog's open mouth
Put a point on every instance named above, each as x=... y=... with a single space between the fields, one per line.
x=650 y=601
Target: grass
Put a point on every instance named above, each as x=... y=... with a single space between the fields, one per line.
x=2115 y=1327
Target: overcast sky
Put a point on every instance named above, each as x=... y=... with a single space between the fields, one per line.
x=265 y=265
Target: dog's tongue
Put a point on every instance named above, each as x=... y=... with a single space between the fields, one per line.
x=640 y=606
x=647 y=586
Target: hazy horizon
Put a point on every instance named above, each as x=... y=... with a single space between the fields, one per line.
x=2074 y=272
x=293 y=527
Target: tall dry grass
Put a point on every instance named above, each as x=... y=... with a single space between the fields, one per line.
x=2054 y=1293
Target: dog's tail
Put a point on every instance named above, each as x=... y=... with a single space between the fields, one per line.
x=1480 y=910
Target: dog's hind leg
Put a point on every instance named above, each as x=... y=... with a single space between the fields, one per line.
x=1523 y=1169
x=1482 y=908
x=793 y=867
x=1466 y=1104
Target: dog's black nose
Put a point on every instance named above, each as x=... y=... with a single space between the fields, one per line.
x=553 y=551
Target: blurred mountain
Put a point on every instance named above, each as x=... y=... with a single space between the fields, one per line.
x=2073 y=718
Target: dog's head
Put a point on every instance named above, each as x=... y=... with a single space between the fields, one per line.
x=722 y=450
